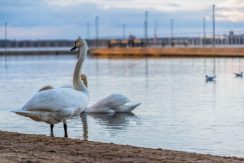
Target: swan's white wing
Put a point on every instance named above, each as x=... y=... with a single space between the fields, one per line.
x=116 y=100
x=54 y=105
x=105 y=105
x=54 y=100
x=113 y=103
x=120 y=103
x=67 y=86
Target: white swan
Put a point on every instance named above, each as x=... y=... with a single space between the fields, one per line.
x=58 y=104
x=112 y=103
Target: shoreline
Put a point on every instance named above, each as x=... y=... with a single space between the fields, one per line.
x=139 y=52
x=17 y=147
x=167 y=52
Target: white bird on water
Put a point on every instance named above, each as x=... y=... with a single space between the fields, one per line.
x=58 y=104
x=110 y=104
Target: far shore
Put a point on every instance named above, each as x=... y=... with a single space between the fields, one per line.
x=16 y=147
x=140 y=52
x=167 y=52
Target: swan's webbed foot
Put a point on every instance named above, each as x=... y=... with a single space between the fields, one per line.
x=65 y=130
x=51 y=127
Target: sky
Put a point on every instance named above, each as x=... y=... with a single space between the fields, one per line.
x=66 y=19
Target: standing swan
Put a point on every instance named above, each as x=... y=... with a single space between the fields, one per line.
x=58 y=104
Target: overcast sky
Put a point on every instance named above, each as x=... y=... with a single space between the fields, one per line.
x=66 y=19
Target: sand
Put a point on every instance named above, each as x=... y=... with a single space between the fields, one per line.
x=16 y=147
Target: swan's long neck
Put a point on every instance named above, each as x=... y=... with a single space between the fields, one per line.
x=77 y=82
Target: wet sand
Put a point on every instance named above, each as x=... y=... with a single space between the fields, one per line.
x=16 y=147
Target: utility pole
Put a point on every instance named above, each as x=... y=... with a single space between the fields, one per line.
x=213 y=26
x=155 y=32
x=6 y=35
x=97 y=29
x=146 y=27
x=88 y=30
x=204 y=30
x=171 y=31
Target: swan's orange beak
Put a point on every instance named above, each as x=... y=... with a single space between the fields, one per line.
x=73 y=48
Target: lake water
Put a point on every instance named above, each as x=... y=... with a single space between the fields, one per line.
x=179 y=110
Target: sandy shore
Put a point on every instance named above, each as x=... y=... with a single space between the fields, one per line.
x=16 y=147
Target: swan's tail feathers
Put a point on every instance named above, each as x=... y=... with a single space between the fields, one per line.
x=128 y=107
x=22 y=112
x=50 y=117
x=18 y=111
x=133 y=106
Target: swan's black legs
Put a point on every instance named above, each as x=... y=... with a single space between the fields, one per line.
x=51 y=127
x=65 y=130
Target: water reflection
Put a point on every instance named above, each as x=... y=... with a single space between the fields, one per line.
x=112 y=121
x=214 y=67
x=84 y=126
x=146 y=67
x=5 y=63
x=146 y=73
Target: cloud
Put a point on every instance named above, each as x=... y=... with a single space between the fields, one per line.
x=232 y=15
x=67 y=19
x=173 y=5
x=160 y=5
x=232 y=11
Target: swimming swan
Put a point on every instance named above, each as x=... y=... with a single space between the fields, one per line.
x=110 y=104
x=58 y=104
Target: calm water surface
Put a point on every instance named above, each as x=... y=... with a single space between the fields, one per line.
x=179 y=110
